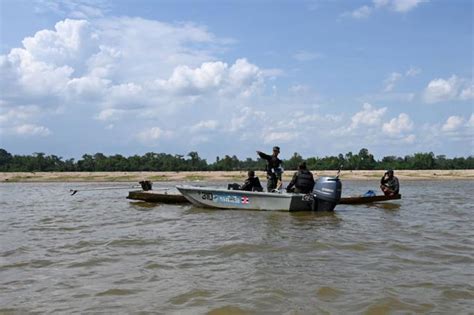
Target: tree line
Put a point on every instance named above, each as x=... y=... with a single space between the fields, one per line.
x=364 y=160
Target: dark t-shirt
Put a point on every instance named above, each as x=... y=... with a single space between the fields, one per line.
x=391 y=183
x=252 y=184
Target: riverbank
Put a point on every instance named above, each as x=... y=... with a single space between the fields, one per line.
x=236 y=176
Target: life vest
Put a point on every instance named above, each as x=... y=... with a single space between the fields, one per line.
x=273 y=165
x=304 y=181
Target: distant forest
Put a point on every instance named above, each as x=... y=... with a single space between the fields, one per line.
x=364 y=160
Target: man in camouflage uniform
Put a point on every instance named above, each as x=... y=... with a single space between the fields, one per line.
x=273 y=168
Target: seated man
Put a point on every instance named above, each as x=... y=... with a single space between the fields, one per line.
x=252 y=183
x=389 y=184
x=303 y=181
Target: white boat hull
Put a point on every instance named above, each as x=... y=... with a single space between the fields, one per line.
x=238 y=199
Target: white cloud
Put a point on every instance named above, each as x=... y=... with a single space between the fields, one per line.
x=412 y=72
x=69 y=43
x=453 y=123
x=467 y=93
x=152 y=135
x=410 y=139
x=398 y=125
x=73 y=8
x=17 y=115
x=32 y=130
x=362 y=12
x=205 y=125
x=304 y=55
x=380 y=3
x=110 y=114
x=245 y=119
x=392 y=79
x=299 y=88
x=369 y=116
x=21 y=120
x=399 y=6
x=185 y=80
x=80 y=56
x=279 y=136
x=440 y=90
x=242 y=78
x=470 y=122
x=405 y=5
x=114 y=65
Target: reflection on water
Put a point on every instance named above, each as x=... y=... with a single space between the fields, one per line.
x=98 y=252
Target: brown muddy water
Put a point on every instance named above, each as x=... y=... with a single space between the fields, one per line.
x=97 y=252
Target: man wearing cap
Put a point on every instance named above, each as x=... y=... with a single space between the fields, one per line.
x=389 y=184
x=273 y=168
x=303 y=181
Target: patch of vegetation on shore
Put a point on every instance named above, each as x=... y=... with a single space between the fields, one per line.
x=194 y=177
x=158 y=178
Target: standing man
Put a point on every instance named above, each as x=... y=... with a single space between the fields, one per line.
x=389 y=184
x=303 y=181
x=273 y=168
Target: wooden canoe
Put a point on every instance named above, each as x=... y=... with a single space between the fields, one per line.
x=157 y=196
x=177 y=198
x=362 y=200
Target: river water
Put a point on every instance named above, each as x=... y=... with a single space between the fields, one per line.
x=97 y=252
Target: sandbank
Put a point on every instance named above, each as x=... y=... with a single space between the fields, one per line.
x=217 y=176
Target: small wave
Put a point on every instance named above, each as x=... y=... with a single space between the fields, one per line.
x=228 y=310
x=92 y=262
x=355 y=247
x=245 y=248
x=328 y=293
x=133 y=242
x=154 y=265
x=459 y=294
x=16 y=251
x=388 y=305
x=116 y=291
x=38 y=263
x=189 y=296
x=83 y=244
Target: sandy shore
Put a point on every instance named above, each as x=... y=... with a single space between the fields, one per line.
x=235 y=176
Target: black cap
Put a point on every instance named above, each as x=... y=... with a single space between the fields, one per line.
x=275 y=148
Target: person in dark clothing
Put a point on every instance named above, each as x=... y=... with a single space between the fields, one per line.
x=389 y=184
x=302 y=181
x=252 y=183
x=273 y=168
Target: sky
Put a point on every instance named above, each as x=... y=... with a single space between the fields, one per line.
x=231 y=77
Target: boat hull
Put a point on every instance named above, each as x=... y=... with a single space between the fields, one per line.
x=247 y=200
x=157 y=196
x=299 y=202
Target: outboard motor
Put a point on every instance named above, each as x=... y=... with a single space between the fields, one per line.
x=326 y=193
x=146 y=185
